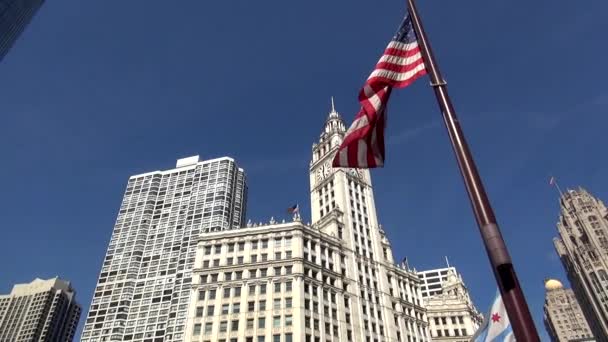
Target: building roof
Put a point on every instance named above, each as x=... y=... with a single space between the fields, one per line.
x=553 y=284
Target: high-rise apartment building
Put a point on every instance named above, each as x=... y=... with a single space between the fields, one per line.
x=583 y=249
x=143 y=289
x=451 y=313
x=333 y=280
x=14 y=17
x=43 y=310
x=563 y=317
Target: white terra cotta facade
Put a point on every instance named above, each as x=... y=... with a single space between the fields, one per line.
x=332 y=280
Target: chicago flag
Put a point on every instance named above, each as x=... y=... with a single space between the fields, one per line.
x=496 y=326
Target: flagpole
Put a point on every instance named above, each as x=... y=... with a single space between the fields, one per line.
x=504 y=271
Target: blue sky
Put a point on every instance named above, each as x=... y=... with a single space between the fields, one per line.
x=94 y=92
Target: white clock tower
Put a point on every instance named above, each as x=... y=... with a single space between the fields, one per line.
x=386 y=297
x=348 y=191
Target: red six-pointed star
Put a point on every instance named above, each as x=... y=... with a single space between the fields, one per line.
x=495 y=317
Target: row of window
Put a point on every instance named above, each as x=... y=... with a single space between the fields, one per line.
x=254 y=244
x=233 y=325
x=288 y=337
x=238 y=275
x=209 y=310
x=235 y=291
x=252 y=258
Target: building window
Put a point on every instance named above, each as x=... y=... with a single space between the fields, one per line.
x=225 y=309
x=262 y=305
x=223 y=326
x=263 y=289
x=276 y=304
x=208 y=328
x=288 y=286
x=227 y=292
x=288 y=321
x=261 y=322
x=197 y=329
x=235 y=325
x=250 y=323
x=277 y=287
x=288 y=302
x=289 y=337
x=199 y=311
x=251 y=306
x=236 y=308
x=276 y=338
x=276 y=321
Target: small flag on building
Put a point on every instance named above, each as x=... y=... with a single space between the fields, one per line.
x=496 y=326
x=295 y=209
x=400 y=65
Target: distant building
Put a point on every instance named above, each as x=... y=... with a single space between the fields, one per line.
x=432 y=280
x=451 y=313
x=43 y=310
x=334 y=280
x=14 y=17
x=143 y=289
x=563 y=318
x=583 y=249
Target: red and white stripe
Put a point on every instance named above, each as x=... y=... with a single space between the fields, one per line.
x=363 y=146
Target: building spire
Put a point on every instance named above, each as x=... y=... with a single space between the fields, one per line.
x=333 y=108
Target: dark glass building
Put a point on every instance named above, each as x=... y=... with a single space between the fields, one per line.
x=14 y=17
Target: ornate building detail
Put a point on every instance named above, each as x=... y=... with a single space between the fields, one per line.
x=582 y=245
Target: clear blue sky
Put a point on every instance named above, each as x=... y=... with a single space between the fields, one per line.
x=94 y=92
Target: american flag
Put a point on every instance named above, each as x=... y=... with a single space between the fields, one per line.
x=400 y=65
x=294 y=209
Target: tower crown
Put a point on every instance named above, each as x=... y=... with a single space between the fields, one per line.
x=332 y=135
x=334 y=123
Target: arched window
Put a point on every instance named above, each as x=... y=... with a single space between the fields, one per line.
x=603 y=275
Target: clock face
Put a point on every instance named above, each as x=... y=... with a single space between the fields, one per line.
x=327 y=168
x=323 y=171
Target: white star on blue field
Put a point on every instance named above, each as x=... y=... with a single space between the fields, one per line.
x=93 y=92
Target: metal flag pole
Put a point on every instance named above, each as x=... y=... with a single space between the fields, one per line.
x=502 y=266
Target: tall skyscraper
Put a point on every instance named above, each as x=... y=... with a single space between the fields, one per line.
x=145 y=280
x=451 y=313
x=333 y=280
x=43 y=310
x=563 y=318
x=14 y=17
x=583 y=249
